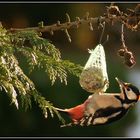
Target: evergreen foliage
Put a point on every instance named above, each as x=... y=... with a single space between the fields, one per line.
x=39 y=53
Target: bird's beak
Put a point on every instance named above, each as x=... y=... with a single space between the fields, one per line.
x=123 y=85
x=139 y=98
x=120 y=82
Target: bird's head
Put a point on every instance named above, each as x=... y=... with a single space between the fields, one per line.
x=130 y=91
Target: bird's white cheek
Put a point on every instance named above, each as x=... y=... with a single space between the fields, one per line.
x=131 y=95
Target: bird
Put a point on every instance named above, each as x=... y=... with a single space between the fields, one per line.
x=104 y=108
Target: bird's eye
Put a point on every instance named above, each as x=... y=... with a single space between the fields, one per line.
x=128 y=89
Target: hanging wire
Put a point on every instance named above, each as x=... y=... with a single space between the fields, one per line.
x=102 y=33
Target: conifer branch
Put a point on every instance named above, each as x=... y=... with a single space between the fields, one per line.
x=61 y=26
x=112 y=14
x=40 y=53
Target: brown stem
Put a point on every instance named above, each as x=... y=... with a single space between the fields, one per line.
x=122 y=38
x=66 y=25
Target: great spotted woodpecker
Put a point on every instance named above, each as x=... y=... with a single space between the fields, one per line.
x=104 y=108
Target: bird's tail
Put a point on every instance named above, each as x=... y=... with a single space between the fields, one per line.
x=59 y=109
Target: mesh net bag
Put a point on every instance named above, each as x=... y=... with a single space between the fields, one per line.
x=94 y=77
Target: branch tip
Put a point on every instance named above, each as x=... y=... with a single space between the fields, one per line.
x=68 y=18
x=67 y=34
x=58 y=23
x=77 y=19
x=51 y=32
x=90 y=26
x=87 y=16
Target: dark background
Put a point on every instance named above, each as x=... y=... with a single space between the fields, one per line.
x=15 y=122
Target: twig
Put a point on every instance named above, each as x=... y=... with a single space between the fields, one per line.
x=65 y=25
x=67 y=34
x=74 y=24
x=55 y=27
x=112 y=14
x=68 y=18
x=128 y=56
x=122 y=38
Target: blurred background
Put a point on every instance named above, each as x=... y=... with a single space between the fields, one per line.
x=15 y=122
